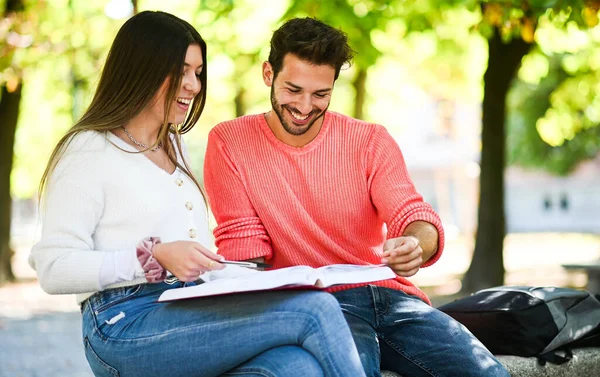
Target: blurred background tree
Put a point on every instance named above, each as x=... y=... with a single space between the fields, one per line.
x=510 y=27
x=13 y=36
x=532 y=65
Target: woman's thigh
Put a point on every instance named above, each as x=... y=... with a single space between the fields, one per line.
x=283 y=361
x=133 y=334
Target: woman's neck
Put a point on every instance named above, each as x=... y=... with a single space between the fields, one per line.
x=143 y=129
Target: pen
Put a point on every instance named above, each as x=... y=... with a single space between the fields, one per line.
x=246 y=264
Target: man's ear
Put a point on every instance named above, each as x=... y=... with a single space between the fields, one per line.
x=267 y=71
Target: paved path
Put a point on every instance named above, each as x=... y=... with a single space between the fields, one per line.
x=40 y=335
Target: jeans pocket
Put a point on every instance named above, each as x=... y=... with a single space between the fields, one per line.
x=114 y=309
x=98 y=366
x=104 y=300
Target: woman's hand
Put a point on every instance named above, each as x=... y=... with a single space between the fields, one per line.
x=187 y=260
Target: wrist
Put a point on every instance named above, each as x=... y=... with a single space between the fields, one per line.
x=156 y=251
x=427 y=236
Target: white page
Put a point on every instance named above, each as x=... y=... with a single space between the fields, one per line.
x=235 y=279
x=353 y=274
x=258 y=281
x=230 y=271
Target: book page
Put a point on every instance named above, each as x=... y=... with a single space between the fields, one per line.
x=235 y=279
x=244 y=282
x=229 y=272
x=353 y=274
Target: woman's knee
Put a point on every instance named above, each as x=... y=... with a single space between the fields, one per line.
x=283 y=361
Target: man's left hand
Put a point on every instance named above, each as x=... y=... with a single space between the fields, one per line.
x=404 y=255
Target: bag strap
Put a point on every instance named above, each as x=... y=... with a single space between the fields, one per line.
x=554 y=357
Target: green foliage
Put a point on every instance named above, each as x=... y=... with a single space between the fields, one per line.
x=554 y=108
x=358 y=19
x=69 y=40
x=58 y=47
x=544 y=130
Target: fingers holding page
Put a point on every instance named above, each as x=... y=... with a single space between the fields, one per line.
x=187 y=260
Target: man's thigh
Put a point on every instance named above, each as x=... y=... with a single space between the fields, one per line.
x=419 y=340
x=357 y=306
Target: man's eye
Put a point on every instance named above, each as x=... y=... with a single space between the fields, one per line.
x=320 y=95
x=294 y=90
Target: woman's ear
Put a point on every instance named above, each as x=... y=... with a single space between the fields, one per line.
x=267 y=72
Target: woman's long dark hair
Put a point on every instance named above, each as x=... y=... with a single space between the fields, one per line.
x=148 y=49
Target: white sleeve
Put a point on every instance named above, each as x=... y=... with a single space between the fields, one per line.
x=64 y=257
x=122 y=265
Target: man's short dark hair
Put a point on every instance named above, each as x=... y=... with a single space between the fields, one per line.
x=310 y=40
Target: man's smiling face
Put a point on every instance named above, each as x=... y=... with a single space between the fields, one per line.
x=300 y=95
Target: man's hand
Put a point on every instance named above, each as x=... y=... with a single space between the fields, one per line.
x=404 y=255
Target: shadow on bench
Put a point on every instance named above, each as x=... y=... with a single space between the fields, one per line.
x=586 y=362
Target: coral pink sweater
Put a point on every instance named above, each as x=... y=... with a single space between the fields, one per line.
x=335 y=200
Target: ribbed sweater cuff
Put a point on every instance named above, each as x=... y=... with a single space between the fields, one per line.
x=244 y=249
x=427 y=217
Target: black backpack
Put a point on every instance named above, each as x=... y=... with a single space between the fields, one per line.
x=545 y=322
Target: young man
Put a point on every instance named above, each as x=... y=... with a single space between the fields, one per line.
x=301 y=185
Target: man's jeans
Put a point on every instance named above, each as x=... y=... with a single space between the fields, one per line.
x=407 y=336
x=127 y=333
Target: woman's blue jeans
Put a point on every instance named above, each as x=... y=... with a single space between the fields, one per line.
x=281 y=333
x=398 y=332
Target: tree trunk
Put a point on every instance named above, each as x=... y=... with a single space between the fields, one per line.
x=487 y=265
x=359 y=84
x=9 y=114
x=9 y=108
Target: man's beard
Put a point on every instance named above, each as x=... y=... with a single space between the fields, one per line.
x=293 y=130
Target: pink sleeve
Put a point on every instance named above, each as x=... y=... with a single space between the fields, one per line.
x=155 y=273
x=393 y=192
x=240 y=234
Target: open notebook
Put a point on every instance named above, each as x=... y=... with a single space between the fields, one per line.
x=234 y=279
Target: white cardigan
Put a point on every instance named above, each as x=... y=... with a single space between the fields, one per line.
x=102 y=200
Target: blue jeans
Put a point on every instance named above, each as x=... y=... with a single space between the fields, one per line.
x=398 y=332
x=127 y=333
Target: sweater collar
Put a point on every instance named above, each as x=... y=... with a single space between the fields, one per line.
x=314 y=143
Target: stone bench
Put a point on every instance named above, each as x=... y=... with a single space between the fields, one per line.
x=585 y=362
x=592 y=269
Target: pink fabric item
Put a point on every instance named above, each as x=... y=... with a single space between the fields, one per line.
x=335 y=200
x=155 y=273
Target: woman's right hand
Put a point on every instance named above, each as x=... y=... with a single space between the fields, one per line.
x=187 y=260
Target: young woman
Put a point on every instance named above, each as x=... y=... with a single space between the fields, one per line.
x=122 y=207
